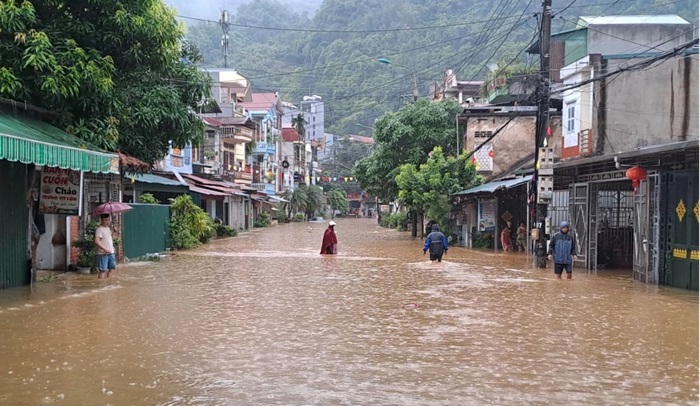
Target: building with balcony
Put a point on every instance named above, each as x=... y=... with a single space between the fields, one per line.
x=265 y=110
x=627 y=174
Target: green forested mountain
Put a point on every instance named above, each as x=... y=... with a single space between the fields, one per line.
x=334 y=53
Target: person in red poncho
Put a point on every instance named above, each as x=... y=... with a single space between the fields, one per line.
x=330 y=241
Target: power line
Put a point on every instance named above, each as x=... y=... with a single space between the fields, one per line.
x=379 y=30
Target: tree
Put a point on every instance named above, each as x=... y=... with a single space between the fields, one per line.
x=338 y=200
x=314 y=199
x=299 y=124
x=428 y=188
x=407 y=137
x=117 y=73
x=295 y=201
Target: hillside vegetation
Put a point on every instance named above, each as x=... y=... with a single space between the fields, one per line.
x=320 y=56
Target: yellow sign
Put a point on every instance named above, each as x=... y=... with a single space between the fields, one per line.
x=680 y=253
x=694 y=255
x=696 y=210
x=680 y=210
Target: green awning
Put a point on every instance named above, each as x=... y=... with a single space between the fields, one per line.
x=31 y=141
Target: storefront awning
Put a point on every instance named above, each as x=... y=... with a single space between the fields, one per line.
x=30 y=141
x=155 y=183
x=635 y=153
x=495 y=186
x=212 y=194
x=277 y=199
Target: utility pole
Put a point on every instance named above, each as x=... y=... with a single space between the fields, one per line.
x=543 y=179
x=224 y=21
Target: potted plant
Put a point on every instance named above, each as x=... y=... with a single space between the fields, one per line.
x=86 y=247
x=86 y=255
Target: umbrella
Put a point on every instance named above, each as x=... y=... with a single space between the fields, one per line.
x=111 y=208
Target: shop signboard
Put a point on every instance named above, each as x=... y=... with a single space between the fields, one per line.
x=60 y=192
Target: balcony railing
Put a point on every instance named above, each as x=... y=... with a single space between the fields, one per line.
x=264 y=148
x=268 y=188
x=232 y=176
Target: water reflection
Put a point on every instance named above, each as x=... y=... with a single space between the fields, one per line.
x=264 y=320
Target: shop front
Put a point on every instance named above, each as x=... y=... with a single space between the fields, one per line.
x=42 y=175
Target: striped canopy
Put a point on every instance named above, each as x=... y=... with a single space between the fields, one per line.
x=30 y=141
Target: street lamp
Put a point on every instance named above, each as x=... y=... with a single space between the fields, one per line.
x=415 y=79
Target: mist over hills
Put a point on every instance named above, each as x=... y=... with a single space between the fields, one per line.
x=333 y=52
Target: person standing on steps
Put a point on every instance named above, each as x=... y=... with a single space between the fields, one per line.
x=506 y=240
x=436 y=242
x=562 y=249
x=521 y=238
x=330 y=240
x=104 y=247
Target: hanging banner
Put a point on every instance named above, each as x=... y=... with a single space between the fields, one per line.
x=60 y=191
x=487 y=215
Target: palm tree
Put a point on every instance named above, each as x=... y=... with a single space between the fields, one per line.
x=296 y=201
x=299 y=123
x=314 y=200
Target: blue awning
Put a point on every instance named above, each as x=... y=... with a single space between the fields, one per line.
x=495 y=186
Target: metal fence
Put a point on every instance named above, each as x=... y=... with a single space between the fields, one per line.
x=145 y=229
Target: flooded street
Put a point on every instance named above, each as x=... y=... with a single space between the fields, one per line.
x=262 y=319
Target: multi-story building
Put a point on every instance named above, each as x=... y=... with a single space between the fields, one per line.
x=313 y=109
x=627 y=175
x=265 y=109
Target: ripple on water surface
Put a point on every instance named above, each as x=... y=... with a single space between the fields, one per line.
x=263 y=319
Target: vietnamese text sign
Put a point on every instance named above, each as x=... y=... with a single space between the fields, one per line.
x=60 y=191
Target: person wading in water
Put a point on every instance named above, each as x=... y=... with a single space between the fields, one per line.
x=562 y=249
x=436 y=243
x=330 y=240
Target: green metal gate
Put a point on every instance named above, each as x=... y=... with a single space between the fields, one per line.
x=14 y=221
x=145 y=229
x=680 y=234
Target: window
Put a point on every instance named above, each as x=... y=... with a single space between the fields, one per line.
x=571 y=118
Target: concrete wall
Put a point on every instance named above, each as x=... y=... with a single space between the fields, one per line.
x=649 y=107
x=51 y=251
x=636 y=38
x=579 y=101
x=512 y=145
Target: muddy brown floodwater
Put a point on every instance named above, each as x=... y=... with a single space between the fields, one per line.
x=262 y=319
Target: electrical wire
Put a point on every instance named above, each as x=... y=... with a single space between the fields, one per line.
x=640 y=65
x=379 y=30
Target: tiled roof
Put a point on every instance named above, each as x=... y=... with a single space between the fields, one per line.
x=289 y=134
x=260 y=102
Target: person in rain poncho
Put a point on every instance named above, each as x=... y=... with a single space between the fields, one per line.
x=562 y=249
x=436 y=243
x=330 y=240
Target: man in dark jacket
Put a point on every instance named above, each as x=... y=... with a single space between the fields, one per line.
x=562 y=249
x=436 y=243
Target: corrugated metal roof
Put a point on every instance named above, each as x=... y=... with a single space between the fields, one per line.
x=492 y=187
x=671 y=19
x=155 y=179
x=207 y=192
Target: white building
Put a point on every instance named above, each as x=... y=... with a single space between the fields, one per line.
x=313 y=110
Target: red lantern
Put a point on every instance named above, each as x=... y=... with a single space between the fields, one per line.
x=491 y=154
x=636 y=174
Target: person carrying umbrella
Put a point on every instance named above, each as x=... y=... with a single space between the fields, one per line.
x=104 y=245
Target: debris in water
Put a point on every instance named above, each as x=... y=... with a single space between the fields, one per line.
x=410 y=306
